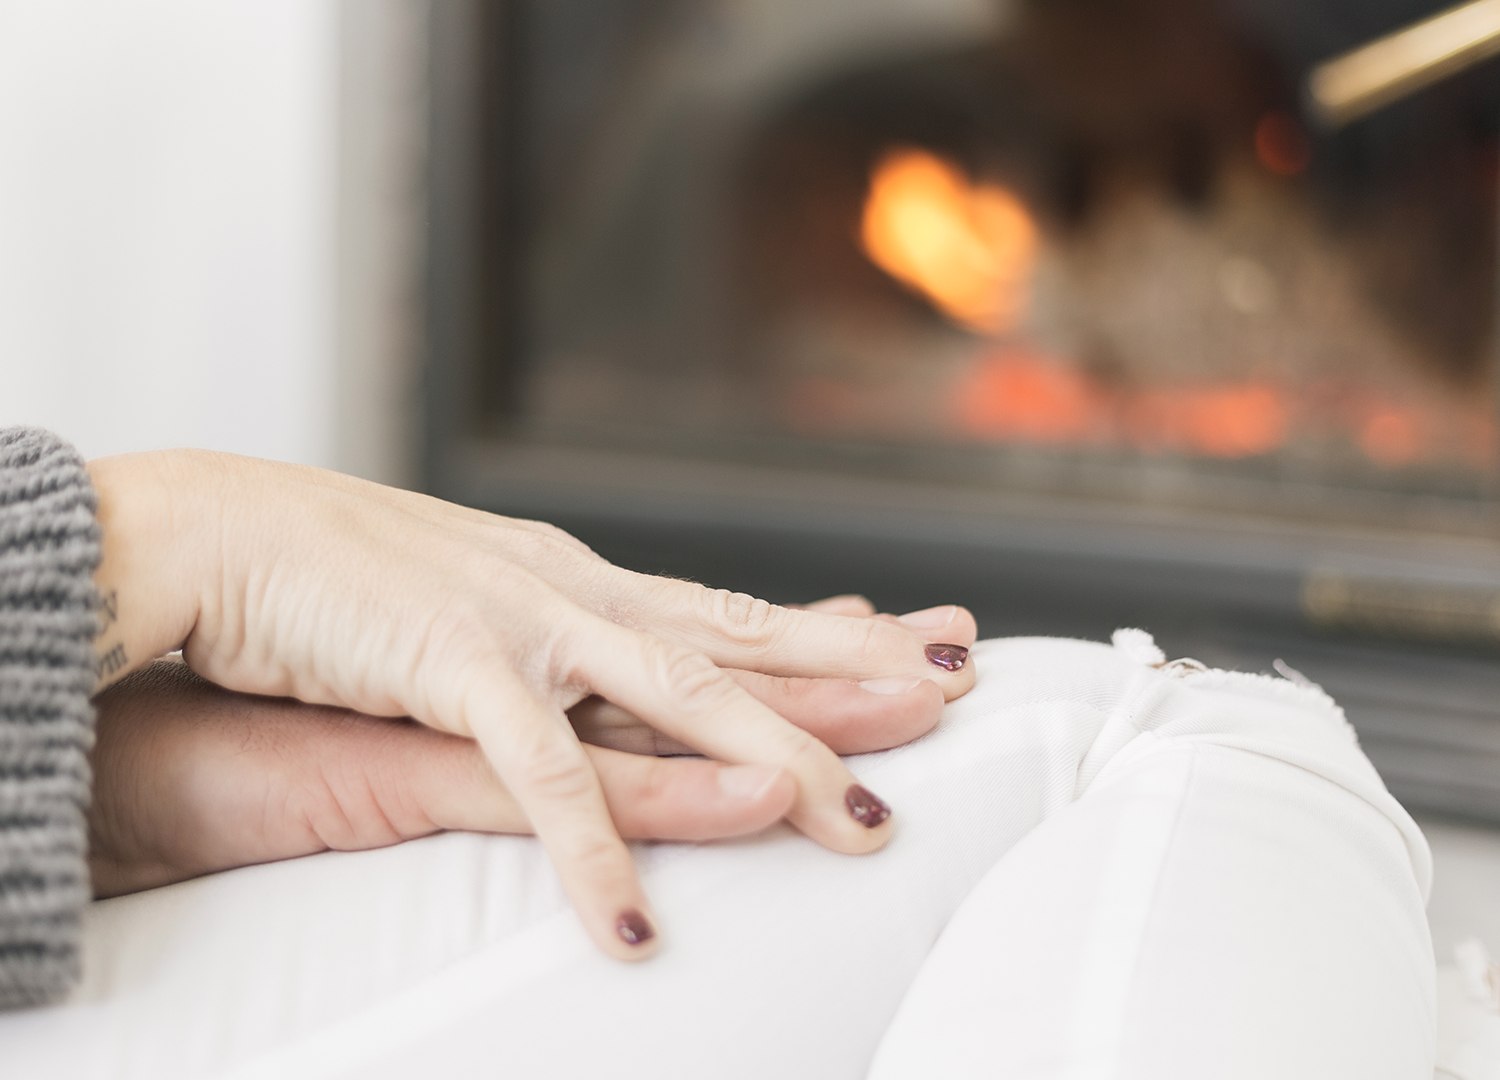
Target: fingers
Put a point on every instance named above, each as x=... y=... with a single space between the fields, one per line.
x=190 y=779
x=649 y=798
x=846 y=604
x=851 y=717
x=685 y=695
x=736 y=630
x=537 y=756
x=848 y=717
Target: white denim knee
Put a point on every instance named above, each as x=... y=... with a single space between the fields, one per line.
x=1135 y=701
x=1226 y=890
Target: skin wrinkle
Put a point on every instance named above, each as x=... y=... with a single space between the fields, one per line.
x=357 y=791
x=302 y=806
x=743 y=619
x=332 y=820
x=381 y=778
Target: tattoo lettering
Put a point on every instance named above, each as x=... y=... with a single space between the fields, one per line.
x=110 y=663
x=109 y=610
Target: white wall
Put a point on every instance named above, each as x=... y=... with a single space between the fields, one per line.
x=167 y=223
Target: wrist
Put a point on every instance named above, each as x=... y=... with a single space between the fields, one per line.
x=150 y=571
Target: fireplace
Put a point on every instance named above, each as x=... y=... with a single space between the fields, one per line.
x=1072 y=311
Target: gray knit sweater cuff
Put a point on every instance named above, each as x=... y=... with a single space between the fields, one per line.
x=49 y=549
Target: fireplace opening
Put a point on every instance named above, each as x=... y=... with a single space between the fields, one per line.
x=1074 y=311
x=1092 y=247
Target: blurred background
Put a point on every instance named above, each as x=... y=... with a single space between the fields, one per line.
x=1086 y=313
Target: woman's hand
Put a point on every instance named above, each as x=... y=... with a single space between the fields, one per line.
x=282 y=580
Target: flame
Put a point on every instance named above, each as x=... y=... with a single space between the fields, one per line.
x=967 y=247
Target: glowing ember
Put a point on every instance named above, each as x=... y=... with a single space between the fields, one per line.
x=1019 y=396
x=1237 y=420
x=968 y=247
x=1281 y=146
x=1015 y=395
x=1390 y=438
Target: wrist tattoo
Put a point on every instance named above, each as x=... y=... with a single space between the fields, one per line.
x=110 y=660
x=110 y=663
x=109 y=611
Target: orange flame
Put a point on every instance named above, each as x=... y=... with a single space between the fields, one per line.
x=967 y=247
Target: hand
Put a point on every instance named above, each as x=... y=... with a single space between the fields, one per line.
x=847 y=717
x=296 y=582
x=190 y=779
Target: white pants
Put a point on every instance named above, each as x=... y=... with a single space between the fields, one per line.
x=1105 y=867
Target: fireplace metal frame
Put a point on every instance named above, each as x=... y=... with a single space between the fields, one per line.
x=1232 y=590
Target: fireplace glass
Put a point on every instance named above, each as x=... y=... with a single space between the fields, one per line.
x=1068 y=246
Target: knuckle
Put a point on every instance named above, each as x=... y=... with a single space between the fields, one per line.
x=798 y=746
x=870 y=638
x=555 y=655
x=688 y=675
x=534 y=544
x=743 y=618
x=459 y=634
x=560 y=537
x=553 y=768
x=652 y=786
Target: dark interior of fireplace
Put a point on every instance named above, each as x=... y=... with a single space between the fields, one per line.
x=1138 y=252
x=1069 y=309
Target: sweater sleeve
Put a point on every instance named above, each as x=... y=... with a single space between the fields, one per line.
x=49 y=549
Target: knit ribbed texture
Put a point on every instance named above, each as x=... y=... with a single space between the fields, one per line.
x=49 y=548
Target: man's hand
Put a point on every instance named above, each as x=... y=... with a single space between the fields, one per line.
x=190 y=779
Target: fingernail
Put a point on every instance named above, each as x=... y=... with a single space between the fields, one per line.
x=930 y=618
x=947 y=657
x=633 y=928
x=747 y=781
x=890 y=686
x=865 y=807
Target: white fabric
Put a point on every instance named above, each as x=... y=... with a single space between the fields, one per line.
x=1105 y=867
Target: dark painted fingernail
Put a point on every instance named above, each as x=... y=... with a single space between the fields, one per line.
x=633 y=928
x=947 y=657
x=865 y=806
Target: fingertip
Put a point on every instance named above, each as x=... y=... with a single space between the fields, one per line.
x=856 y=822
x=947 y=624
x=965 y=626
x=635 y=936
x=928 y=711
x=865 y=807
x=955 y=681
x=877 y=714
